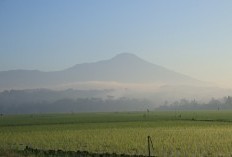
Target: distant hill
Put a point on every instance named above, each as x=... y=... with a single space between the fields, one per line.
x=123 y=68
x=49 y=101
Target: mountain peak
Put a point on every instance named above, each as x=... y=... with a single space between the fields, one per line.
x=126 y=56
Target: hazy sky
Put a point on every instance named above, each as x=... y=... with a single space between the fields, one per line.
x=193 y=37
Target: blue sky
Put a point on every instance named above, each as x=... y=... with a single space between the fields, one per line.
x=192 y=37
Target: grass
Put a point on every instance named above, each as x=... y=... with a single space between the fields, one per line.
x=198 y=133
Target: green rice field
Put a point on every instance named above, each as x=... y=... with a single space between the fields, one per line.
x=187 y=133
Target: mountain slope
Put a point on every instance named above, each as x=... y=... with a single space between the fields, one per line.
x=125 y=68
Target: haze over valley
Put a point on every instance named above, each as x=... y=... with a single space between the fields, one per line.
x=122 y=83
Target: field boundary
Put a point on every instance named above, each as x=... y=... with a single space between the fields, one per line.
x=60 y=153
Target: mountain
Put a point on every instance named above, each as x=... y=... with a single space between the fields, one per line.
x=127 y=68
x=123 y=68
x=122 y=83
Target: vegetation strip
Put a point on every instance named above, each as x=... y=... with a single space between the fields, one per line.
x=29 y=150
